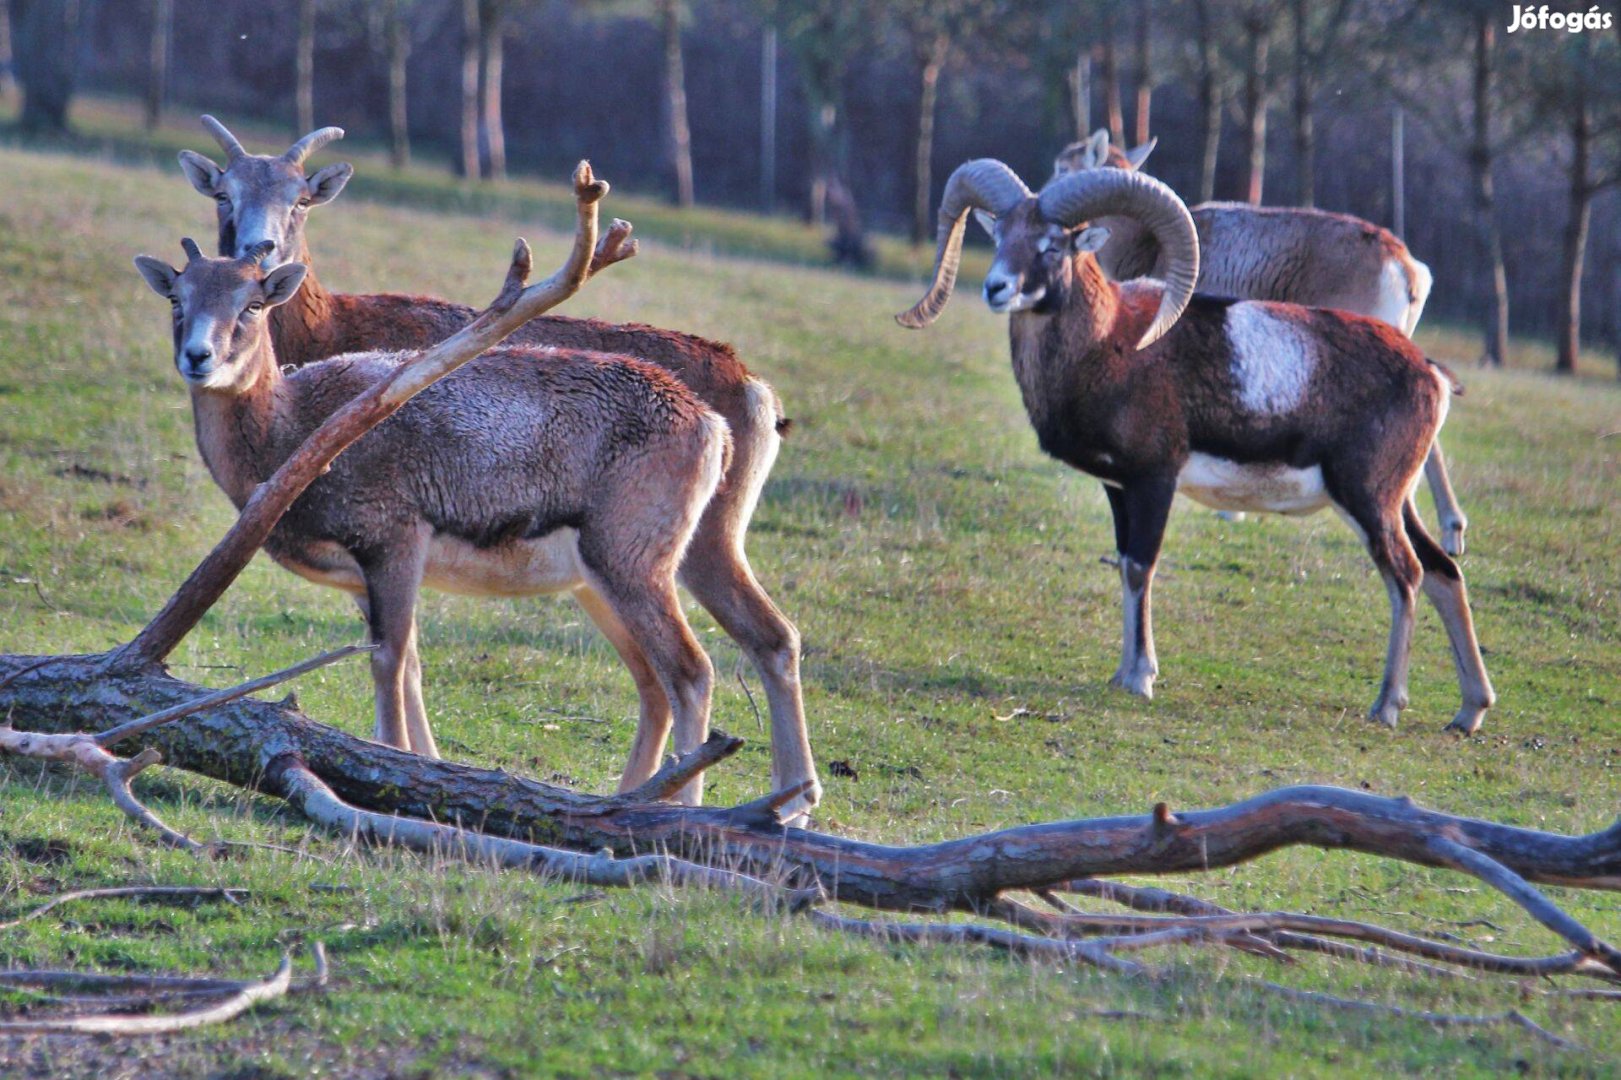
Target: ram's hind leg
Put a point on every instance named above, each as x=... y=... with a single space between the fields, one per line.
x=1443 y=584
x=1398 y=564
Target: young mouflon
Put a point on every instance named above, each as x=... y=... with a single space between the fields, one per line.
x=261 y=198
x=1242 y=405
x=527 y=471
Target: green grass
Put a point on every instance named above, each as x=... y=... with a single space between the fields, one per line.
x=945 y=577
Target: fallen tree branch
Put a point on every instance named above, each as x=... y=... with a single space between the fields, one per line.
x=243 y=996
x=166 y=892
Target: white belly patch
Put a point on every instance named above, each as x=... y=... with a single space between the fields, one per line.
x=518 y=568
x=1229 y=485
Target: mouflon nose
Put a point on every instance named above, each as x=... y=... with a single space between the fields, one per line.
x=198 y=355
x=997 y=289
x=245 y=251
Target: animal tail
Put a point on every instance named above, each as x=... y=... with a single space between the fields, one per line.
x=1448 y=375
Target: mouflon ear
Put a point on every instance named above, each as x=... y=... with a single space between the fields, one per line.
x=282 y=283
x=1140 y=154
x=1089 y=239
x=1097 y=150
x=986 y=222
x=158 y=274
x=325 y=185
x=203 y=173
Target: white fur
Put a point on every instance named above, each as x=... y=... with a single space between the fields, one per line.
x=1394 y=301
x=1273 y=359
x=1229 y=485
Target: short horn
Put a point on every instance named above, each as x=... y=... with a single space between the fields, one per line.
x=222 y=135
x=1076 y=197
x=310 y=143
x=259 y=252
x=193 y=252
x=984 y=184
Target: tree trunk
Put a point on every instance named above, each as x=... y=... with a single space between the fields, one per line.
x=768 y=120
x=1080 y=88
x=469 y=126
x=399 y=50
x=1209 y=103
x=492 y=129
x=679 y=135
x=1257 y=45
x=1305 y=89
x=933 y=62
x=305 y=62
x=1144 y=76
x=6 y=55
x=1575 y=239
x=1110 y=63
x=1480 y=166
x=157 y=64
x=42 y=51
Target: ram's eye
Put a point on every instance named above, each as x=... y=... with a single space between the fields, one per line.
x=223 y=199
x=255 y=307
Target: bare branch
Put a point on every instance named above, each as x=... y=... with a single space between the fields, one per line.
x=168 y=892
x=676 y=773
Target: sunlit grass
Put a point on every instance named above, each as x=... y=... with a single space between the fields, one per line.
x=945 y=576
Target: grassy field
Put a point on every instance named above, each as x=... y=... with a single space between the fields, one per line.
x=959 y=632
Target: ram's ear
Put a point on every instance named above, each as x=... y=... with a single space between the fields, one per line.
x=325 y=185
x=986 y=222
x=282 y=283
x=158 y=274
x=1097 y=149
x=1089 y=239
x=1140 y=154
x=203 y=173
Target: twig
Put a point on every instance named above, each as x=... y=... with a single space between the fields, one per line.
x=967 y=933
x=194 y=892
x=759 y=724
x=146 y=723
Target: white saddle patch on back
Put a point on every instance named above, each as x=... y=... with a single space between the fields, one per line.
x=1273 y=359
x=1228 y=485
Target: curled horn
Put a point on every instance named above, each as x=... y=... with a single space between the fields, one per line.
x=223 y=136
x=259 y=252
x=1073 y=198
x=193 y=252
x=310 y=143
x=984 y=184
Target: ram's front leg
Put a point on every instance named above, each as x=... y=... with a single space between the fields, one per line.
x=1140 y=512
